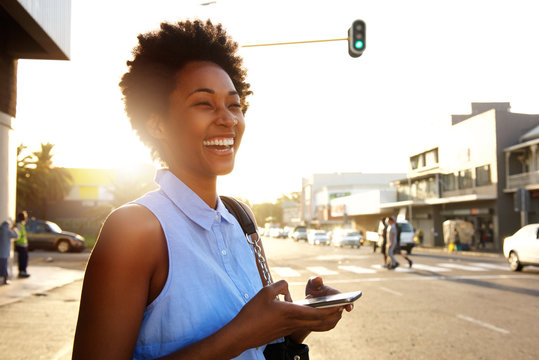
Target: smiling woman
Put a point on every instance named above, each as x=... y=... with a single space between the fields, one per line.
x=172 y=274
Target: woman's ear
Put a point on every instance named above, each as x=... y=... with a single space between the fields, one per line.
x=155 y=126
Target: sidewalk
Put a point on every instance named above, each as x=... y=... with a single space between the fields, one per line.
x=39 y=314
x=43 y=278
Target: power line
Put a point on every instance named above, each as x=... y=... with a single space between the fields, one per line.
x=295 y=42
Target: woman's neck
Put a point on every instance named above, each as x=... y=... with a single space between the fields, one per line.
x=205 y=187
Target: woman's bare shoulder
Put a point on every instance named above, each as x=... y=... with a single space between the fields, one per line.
x=131 y=229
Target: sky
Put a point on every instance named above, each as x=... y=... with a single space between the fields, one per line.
x=314 y=109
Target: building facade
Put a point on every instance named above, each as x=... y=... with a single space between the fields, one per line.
x=320 y=204
x=464 y=176
x=28 y=30
x=522 y=176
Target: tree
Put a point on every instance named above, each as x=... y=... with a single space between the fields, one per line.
x=38 y=181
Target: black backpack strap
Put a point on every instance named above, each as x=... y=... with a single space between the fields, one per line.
x=235 y=208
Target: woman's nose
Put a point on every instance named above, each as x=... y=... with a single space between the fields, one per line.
x=226 y=118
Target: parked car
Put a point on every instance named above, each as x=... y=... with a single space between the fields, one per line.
x=346 y=237
x=318 y=237
x=406 y=236
x=299 y=233
x=522 y=248
x=47 y=235
x=276 y=232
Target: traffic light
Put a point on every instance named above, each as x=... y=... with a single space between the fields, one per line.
x=357 y=38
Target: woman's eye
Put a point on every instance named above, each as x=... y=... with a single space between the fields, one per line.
x=203 y=103
x=235 y=105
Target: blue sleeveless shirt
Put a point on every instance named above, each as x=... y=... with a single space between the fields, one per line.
x=212 y=271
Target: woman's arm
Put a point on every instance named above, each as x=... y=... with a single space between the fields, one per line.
x=124 y=273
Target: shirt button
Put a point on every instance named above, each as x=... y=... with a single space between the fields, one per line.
x=223 y=252
x=246 y=296
x=216 y=216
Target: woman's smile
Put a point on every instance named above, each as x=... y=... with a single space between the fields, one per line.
x=220 y=145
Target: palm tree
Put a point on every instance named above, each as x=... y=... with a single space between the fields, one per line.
x=39 y=181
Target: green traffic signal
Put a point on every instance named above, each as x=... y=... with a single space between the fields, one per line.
x=357 y=38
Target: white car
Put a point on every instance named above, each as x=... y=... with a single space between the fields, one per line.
x=342 y=238
x=318 y=237
x=522 y=248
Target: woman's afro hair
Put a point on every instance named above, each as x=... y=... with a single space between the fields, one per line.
x=157 y=58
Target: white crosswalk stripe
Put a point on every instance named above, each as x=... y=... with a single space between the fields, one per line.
x=357 y=269
x=492 y=266
x=462 y=267
x=430 y=268
x=285 y=271
x=397 y=269
x=321 y=270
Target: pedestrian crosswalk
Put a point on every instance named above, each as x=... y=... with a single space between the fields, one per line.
x=288 y=272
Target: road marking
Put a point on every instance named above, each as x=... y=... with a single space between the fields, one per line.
x=285 y=271
x=341 y=257
x=482 y=323
x=429 y=268
x=492 y=266
x=320 y=270
x=425 y=278
x=398 y=269
x=390 y=291
x=357 y=269
x=461 y=267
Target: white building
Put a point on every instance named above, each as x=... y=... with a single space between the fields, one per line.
x=328 y=198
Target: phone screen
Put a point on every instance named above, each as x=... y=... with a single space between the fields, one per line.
x=331 y=300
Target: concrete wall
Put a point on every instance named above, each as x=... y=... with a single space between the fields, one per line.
x=8 y=168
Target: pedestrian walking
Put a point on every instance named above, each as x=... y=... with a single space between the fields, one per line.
x=382 y=234
x=391 y=243
x=380 y=231
x=6 y=234
x=21 y=244
x=172 y=272
x=398 y=250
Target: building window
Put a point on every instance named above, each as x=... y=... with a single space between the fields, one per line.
x=482 y=175
x=426 y=159
x=432 y=157
x=432 y=191
x=403 y=192
x=465 y=179
x=449 y=182
x=414 y=162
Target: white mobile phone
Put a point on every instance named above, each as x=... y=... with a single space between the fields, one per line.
x=340 y=299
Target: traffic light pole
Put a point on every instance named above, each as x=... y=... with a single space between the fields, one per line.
x=295 y=42
x=356 y=40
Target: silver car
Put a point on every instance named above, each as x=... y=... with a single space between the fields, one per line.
x=318 y=237
x=346 y=238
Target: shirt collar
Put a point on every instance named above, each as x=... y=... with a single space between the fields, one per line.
x=189 y=202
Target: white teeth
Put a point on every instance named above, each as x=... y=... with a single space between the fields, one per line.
x=219 y=142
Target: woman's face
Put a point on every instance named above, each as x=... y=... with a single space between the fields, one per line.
x=205 y=124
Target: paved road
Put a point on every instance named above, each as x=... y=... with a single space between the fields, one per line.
x=446 y=306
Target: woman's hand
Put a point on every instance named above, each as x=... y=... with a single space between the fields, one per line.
x=265 y=318
x=316 y=288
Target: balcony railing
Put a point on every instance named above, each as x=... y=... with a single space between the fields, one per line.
x=522 y=180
